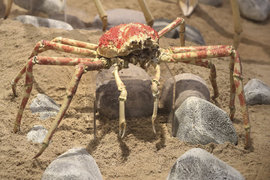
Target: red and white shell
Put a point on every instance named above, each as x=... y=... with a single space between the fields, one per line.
x=120 y=40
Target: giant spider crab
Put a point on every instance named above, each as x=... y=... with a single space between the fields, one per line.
x=121 y=45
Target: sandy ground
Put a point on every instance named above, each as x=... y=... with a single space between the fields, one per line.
x=141 y=154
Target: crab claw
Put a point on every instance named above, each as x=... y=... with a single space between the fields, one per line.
x=187 y=6
x=122 y=119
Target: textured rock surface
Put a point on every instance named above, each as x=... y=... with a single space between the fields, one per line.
x=43 y=22
x=197 y=164
x=139 y=101
x=37 y=134
x=75 y=164
x=212 y=2
x=46 y=6
x=257 y=10
x=120 y=16
x=198 y=121
x=45 y=106
x=257 y=92
x=187 y=85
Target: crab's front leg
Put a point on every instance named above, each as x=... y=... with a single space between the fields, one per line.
x=122 y=98
x=155 y=92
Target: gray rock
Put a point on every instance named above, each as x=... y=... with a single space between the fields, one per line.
x=75 y=164
x=139 y=101
x=257 y=10
x=198 y=121
x=198 y=164
x=257 y=92
x=74 y=21
x=45 y=106
x=187 y=85
x=37 y=134
x=120 y=16
x=45 y=6
x=193 y=35
x=212 y=2
x=43 y=22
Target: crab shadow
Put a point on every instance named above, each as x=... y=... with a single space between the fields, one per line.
x=140 y=128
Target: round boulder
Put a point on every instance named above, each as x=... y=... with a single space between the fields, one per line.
x=139 y=101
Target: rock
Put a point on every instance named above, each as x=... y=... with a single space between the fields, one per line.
x=74 y=21
x=75 y=164
x=139 y=101
x=212 y=2
x=37 y=134
x=120 y=16
x=43 y=22
x=191 y=33
x=45 y=6
x=257 y=92
x=186 y=85
x=257 y=10
x=45 y=106
x=200 y=164
x=198 y=121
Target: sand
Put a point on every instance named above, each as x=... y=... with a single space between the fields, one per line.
x=141 y=154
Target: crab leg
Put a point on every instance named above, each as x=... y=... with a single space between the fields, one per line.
x=102 y=14
x=147 y=14
x=41 y=46
x=122 y=99
x=8 y=8
x=90 y=63
x=235 y=75
x=75 y=43
x=172 y=25
x=237 y=24
x=155 y=92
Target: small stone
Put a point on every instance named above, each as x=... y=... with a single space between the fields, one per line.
x=37 y=134
x=257 y=10
x=257 y=92
x=212 y=2
x=45 y=106
x=198 y=121
x=43 y=22
x=199 y=164
x=75 y=164
x=120 y=16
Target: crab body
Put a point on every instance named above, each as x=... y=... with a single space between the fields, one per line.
x=133 y=42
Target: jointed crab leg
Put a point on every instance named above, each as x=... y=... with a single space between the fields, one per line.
x=102 y=14
x=122 y=99
x=235 y=74
x=147 y=14
x=178 y=21
x=66 y=45
x=8 y=8
x=92 y=64
x=155 y=92
x=237 y=24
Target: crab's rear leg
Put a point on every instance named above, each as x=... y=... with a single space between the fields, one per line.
x=102 y=14
x=178 y=21
x=235 y=75
x=146 y=12
x=61 y=44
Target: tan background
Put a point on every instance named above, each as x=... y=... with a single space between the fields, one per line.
x=141 y=154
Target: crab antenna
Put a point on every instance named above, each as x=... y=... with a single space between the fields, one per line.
x=178 y=21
